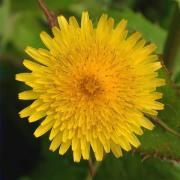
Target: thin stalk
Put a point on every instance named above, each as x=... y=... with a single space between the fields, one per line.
x=50 y=15
x=164 y=125
x=92 y=169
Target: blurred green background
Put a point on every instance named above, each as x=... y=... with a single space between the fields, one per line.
x=26 y=158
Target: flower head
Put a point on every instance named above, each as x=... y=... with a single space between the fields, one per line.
x=92 y=87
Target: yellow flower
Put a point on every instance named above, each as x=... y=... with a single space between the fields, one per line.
x=92 y=87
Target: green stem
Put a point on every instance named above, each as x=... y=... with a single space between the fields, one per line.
x=50 y=15
x=92 y=169
x=164 y=125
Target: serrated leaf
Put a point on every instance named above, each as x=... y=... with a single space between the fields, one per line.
x=130 y=167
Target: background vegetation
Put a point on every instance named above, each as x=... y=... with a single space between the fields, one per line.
x=26 y=158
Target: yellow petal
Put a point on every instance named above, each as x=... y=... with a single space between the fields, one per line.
x=99 y=151
x=84 y=19
x=28 y=95
x=56 y=32
x=102 y=21
x=135 y=129
x=64 y=147
x=86 y=151
x=47 y=120
x=36 y=55
x=105 y=142
x=73 y=22
x=116 y=150
x=121 y=26
x=65 y=135
x=42 y=129
x=124 y=143
x=77 y=154
x=63 y=24
x=75 y=143
x=36 y=103
x=32 y=65
x=26 y=112
x=149 y=48
x=25 y=77
x=146 y=123
x=53 y=133
x=56 y=142
x=133 y=140
x=46 y=39
x=43 y=107
x=86 y=23
x=36 y=116
x=131 y=41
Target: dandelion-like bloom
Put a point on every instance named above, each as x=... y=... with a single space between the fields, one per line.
x=92 y=87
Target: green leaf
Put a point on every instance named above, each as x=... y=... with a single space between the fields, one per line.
x=7 y=22
x=4 y=13
x=26 y=32
x=130 y=167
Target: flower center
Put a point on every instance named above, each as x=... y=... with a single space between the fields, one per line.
x=90 y=86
